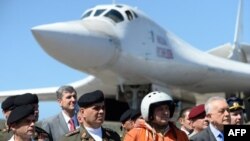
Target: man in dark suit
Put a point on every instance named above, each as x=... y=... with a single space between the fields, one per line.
x=66 y=120
x=184 y=121
x=217 y=112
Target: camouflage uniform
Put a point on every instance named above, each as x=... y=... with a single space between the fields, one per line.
x=4 y=134
x=38 y=131
x=82 y=134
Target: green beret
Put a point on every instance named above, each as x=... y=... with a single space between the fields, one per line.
x=91 y=98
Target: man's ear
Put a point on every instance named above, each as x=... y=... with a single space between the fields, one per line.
x=82 y=111
x=208 y=116
x=12 y=127
x=180 y=120
x=59 y=101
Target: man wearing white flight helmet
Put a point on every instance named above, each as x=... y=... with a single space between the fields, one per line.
x=156 y=108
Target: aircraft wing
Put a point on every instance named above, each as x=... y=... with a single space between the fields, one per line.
x=226 y=50
x=223 y=51
x=237 y=50
x=87 y=84
x=246 y=49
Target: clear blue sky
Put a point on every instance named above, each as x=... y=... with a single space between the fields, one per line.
x=203 y=23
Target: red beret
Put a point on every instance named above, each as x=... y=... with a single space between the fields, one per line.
x=197 y=111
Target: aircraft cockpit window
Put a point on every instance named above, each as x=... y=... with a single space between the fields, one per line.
x=87 y=14
x=136 y=16
x=129 y=15
x=114 y=15
x=99 y=12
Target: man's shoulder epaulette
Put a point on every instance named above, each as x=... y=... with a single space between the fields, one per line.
x=72 y=133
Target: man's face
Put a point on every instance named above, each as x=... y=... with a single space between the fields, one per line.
x=185 y=122
x=219 y=114
x=161 y=115
x=68 y=101
x=25 y=128
x=200 y=123
x=128 y=125
x=237 y=117
x=94 y=115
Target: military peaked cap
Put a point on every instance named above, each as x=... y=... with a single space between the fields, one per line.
x=235 y=103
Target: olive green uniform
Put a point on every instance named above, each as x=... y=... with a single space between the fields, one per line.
x=82 y=134
x=4 y=134
x=39 y=130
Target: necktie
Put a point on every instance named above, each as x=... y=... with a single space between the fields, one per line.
x=72 y=125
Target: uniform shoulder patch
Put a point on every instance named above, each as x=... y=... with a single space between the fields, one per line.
x=72 y=133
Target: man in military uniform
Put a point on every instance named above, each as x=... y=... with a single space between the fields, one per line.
x=7 y=106
x=32 y=99
x=236 y=109
x=21 y=122
x=28 y=99
x=91 y=114
x=128 y=120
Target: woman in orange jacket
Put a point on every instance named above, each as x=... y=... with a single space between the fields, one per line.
x=156 y=108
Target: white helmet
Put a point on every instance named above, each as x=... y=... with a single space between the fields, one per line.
x=154 y=98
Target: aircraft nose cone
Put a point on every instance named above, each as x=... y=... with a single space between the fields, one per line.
x=73 y=44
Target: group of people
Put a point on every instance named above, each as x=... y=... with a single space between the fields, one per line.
x=21 y=113
x=81 y=119
x=206 y=121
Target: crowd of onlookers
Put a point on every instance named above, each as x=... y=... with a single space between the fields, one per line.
x=81 y=119
x=204 y=122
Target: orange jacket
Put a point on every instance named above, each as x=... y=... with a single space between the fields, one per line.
x=144 y=132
